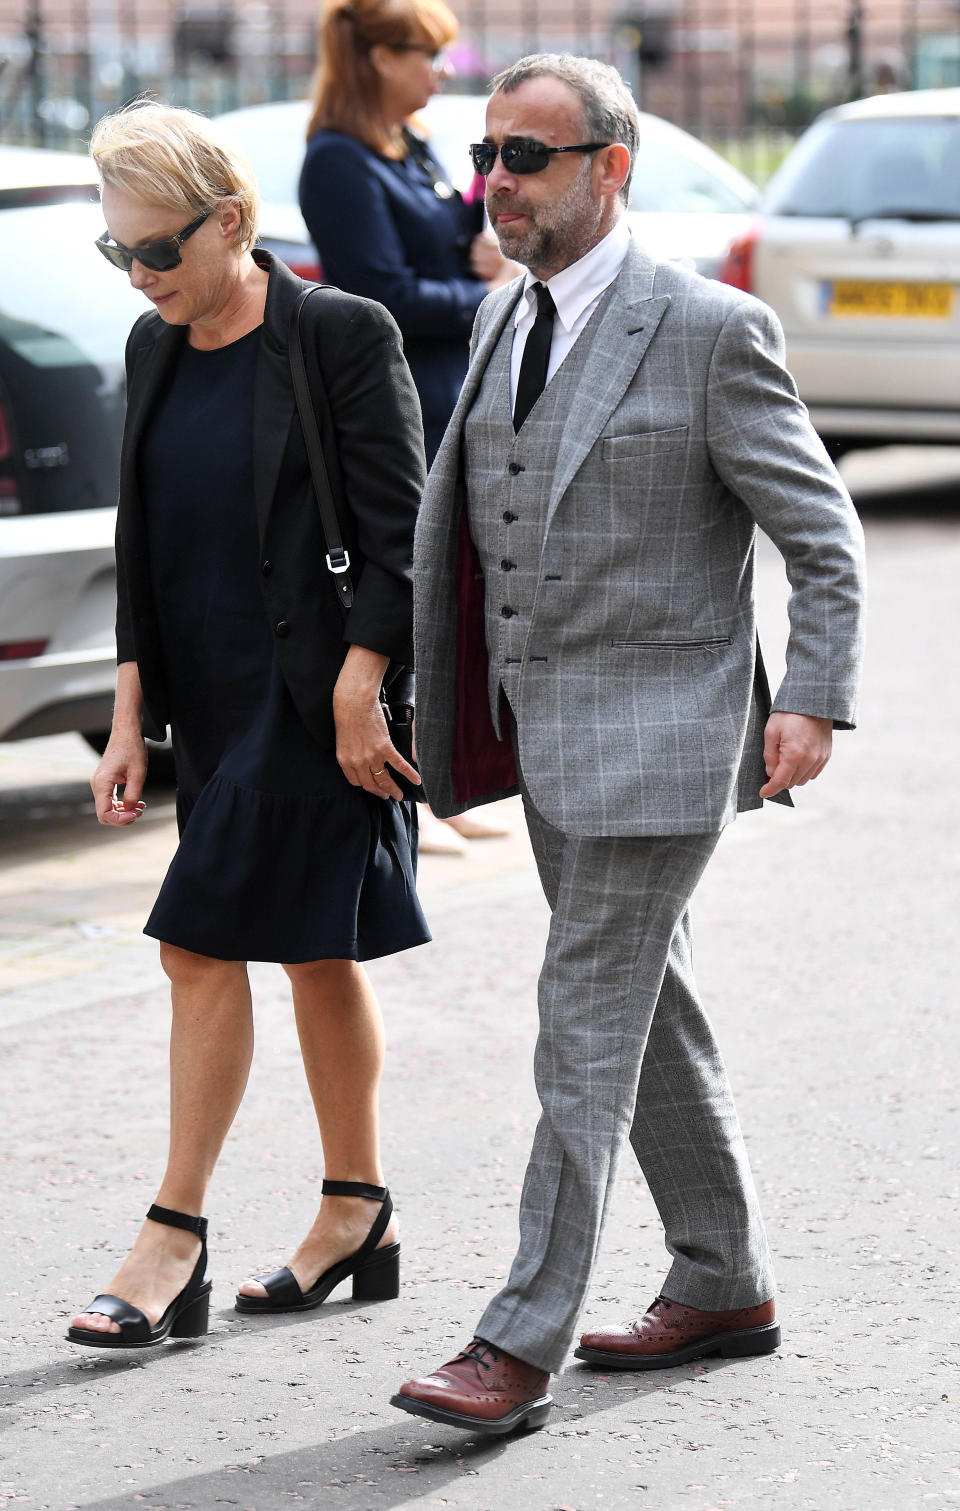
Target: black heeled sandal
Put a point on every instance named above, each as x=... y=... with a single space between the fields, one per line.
x=187 y=1316
x=376 y=1272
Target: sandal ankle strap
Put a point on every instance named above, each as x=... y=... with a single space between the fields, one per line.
x=171 y=1219
x=353 y=1188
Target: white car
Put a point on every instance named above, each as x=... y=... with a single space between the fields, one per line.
x=64 y=318
x=857 y=248
x=686 y=202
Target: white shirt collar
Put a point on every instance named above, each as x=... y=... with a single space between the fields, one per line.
x=577 y=286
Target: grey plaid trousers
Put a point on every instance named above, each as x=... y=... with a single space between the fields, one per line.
x=625 y=1049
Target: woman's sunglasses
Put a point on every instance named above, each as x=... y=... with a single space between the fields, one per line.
x=522 y=155
x=437 y=56
x=158 y=256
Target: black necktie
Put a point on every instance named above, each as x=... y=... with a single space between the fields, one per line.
x=536 y=356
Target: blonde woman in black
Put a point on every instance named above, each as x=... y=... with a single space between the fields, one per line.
x=295 y=846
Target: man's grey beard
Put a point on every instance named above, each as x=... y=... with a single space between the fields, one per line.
x=559 y=234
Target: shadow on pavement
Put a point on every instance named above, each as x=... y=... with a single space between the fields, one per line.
x=56 y=817
x=85 y=1363
x=377 y=1468
x=24 y=1384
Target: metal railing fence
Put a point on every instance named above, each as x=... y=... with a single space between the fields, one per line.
x=747 y=75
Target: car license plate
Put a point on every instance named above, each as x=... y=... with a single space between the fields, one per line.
x=908 y=301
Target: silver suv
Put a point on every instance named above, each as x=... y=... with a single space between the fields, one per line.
x=857 y=248
x=64 y=318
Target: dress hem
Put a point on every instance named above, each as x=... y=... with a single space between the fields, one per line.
x=357 y=953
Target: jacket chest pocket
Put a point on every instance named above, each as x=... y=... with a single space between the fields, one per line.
x=715 y=642
x=614 y=448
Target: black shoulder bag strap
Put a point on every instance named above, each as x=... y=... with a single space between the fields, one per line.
x=398 y=711
x=338 y=559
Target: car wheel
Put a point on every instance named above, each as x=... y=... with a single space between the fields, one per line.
x=161 y=768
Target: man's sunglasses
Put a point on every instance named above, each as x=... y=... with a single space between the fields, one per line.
x=158 y=256
x=522 y=155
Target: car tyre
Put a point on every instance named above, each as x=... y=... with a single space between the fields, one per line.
x=837 y=446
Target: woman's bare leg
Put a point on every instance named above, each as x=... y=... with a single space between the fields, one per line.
x=211 y=1045
x=341 y=1039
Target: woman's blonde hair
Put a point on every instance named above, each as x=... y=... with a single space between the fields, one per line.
x=346 y=92
x=164 y=156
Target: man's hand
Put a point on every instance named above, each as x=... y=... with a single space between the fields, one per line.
x=796 y=748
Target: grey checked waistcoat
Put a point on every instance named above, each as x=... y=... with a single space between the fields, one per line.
x=510 y=478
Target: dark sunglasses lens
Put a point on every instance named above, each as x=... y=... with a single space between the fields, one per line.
x=160 y=256
x=525 y=157
x=483 y=157
x=116 y=256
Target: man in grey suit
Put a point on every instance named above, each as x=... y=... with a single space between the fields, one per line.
x=585 y=635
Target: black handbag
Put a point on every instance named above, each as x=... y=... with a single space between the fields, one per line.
x=396 y=692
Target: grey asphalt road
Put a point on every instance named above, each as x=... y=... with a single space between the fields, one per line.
x=826 y=954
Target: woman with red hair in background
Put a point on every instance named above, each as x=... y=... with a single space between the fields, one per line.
x=387 y=222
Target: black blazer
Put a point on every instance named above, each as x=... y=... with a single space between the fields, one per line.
x=373 y=445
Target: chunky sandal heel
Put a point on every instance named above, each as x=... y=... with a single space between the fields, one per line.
x=379 y=1279
x=194 y=1320
x=187 y=1316
x=376 y=1272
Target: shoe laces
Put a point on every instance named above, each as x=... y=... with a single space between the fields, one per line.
x=478 y=1352
x=658 y=1301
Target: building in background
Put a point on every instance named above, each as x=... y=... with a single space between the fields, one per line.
x=727 y=70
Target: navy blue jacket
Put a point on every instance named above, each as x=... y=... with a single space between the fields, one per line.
x=383 y=232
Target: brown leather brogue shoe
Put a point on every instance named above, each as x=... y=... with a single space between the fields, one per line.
x=670 y=1333
x=483 y=1389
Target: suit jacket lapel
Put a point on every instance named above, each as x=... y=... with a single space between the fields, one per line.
x=446 y=466
x=152 y=368
x=274 y=403
x=616 y=346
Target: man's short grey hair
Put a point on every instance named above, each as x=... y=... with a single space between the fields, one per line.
x=609 y=110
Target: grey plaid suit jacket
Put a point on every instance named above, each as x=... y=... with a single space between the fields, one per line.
x=647 y=716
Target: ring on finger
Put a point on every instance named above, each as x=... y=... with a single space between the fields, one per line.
x=378 y=773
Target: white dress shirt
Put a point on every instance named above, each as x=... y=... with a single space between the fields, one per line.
x=576 y=292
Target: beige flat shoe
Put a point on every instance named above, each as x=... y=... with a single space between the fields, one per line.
x=437 y=837
x=476 y=828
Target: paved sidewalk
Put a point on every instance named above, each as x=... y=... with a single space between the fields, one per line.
x=825 y=954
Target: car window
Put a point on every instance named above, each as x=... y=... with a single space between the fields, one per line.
x=451 y=123
x=273 y=139
x=665 y=178
x=276 y=161
x=64 y=318
x=860 y=169
x=57 y=294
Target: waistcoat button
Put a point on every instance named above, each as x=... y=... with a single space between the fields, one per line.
x=281 y=629
x=507 y=611
x=508 y=566
x=514 y=468
x=508 y=518
x=266 y=568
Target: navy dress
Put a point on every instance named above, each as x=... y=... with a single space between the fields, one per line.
x=395 y=231
x=280 y=858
